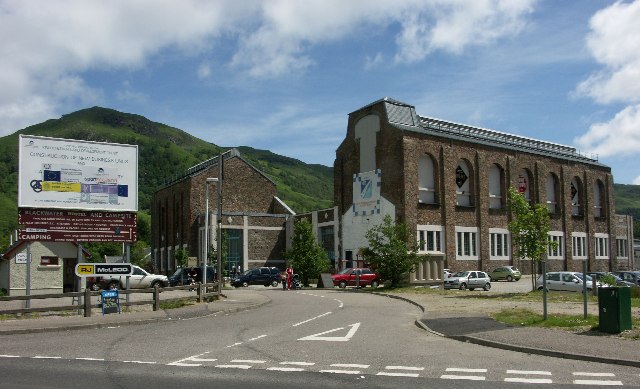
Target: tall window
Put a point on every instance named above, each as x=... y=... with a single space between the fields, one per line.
x=576 y=197
x=426 y=180
x=466 y=243
x=463 y=185
x=552 y=194
x=579 y=245
x=524 y=184
x=430 y=239
x=622 y=248
x=602 y=246
x=558 y=251
x=327 y=240
x=499 y=240
x=598 y=196
x=234 y=248
x=496 y=183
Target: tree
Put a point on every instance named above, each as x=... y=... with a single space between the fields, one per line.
x=529 y=229
x=306 y=256
x=390 y=252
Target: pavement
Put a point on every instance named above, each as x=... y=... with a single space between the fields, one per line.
x=471 y=327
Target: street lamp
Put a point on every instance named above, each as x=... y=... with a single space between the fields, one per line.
x=206 y=229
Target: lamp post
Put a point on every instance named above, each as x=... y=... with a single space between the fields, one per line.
x=206 y=229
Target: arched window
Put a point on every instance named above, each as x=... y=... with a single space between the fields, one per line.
x=598 y=199
x=464 y=196
x=576 y=196
x=552 y=193
x=427 y=180
x=524 y=184
x=496 y=183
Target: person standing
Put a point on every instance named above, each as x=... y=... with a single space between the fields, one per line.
x=289 y=277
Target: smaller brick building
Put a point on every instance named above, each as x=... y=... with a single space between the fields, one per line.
x=254 y=219
x=448 y=182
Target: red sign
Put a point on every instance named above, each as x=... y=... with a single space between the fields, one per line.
x=77 y=226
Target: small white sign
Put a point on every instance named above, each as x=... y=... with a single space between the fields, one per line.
x=21 y=258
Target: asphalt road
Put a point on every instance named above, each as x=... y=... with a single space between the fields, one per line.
x=314 y=338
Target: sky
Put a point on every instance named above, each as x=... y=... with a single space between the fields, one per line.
x=283 y=75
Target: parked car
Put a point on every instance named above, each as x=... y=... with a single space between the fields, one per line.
x=629 y=276
x=619 y=281
x=353 y=276
x=446 y=273
x=260 y=276
x=140 y=279
x=181 y=276
x=565 y=281
x=509 y=273
x=468 y=280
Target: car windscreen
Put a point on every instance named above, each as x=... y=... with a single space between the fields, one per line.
x=177 y=273
x=345 y=271
x=461 y=274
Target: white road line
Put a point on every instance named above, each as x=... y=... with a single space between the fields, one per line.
x=587 y=374
x=349 y=365
x=9 y=356
x=529 y=372
x=394 y=374
x=194 y=358
x=247 y=361
x=463 y=370
x=598 y=382
x=90 y=359
x=45 y=357
x=285 y=368
x=404 y=368
x=313 y=318
x=256 y=338
x=341 y=303
x=298 y=363
x=528 y=380
x=244 y=367
x=462 y=377
x=340 y=371
x=141 y=362
x=235 y=344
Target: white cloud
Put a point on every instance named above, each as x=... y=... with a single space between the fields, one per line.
x=636 y=181
x=46 y=43
x=204 y=71
x=614 y=41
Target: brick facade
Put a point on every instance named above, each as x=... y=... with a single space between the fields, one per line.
x=402 y=139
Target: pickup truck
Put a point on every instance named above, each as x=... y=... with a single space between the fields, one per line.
x=140 y=279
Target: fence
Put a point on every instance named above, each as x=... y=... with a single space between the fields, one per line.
x=85 y=301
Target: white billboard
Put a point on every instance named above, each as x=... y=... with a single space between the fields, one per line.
x=75 y=174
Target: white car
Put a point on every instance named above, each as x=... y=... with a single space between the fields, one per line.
x=468 y=280
x=140 y=279
x=569 y=281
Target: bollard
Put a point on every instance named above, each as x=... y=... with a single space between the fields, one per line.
x=156 y=298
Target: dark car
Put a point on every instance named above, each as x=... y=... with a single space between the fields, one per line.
x=181 y=276
x=356 y=277
x=260 y=276
x=629 y=276
x=619 y=281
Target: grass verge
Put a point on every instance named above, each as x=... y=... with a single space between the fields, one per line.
x=179 y=303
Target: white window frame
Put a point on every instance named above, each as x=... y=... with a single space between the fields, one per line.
x=601 y=244
x=426 y=180
x=558 y=252
x=499 y=244
x=552 y=202
x=466 y=243
x=437 y=232
x=579 y=249
x=622 y=247
x=495 y=187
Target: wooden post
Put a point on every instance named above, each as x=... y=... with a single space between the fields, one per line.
x=87 y=302
x=156 y=298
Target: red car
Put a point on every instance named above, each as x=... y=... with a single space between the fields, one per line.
x=350 y=275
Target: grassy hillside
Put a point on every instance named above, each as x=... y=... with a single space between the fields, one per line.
x=163 y=153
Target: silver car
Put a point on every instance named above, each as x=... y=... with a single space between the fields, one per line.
x=468 y=280
x=569 y=281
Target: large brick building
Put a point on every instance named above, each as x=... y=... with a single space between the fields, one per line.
x=448 y=182
x=253 y=217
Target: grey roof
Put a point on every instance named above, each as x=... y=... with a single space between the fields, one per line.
x=403 y=116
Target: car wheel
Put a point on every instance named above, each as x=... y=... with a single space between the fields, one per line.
x=274 y=283
x=487 y=286
x=509 y=278
x=463 y=286
x=343 y=284
x=472 y=288
x=374 y=284
x=114 y=285
x=245 y=284
x=155 y=284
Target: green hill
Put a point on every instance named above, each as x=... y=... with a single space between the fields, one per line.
x=165 y=152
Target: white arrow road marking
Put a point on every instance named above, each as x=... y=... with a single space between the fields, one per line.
x=349 y=335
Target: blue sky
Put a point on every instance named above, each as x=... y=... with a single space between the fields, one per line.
x=283 y=75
